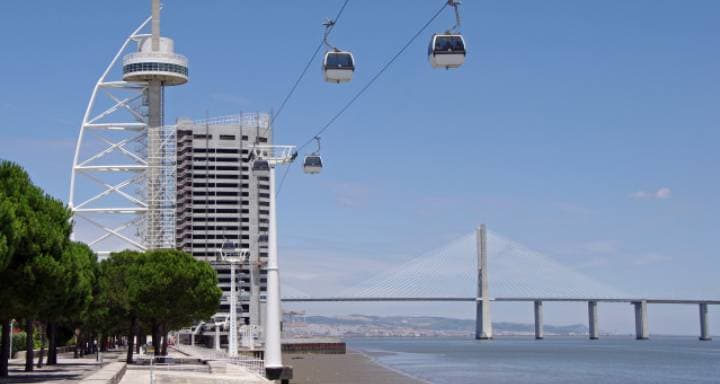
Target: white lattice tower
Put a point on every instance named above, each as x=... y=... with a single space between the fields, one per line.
x=122 y=187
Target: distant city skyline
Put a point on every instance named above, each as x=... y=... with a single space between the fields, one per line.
x=584 y=130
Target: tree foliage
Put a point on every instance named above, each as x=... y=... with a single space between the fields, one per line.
x=175 y=289
x=160 y=289
x=34 y=234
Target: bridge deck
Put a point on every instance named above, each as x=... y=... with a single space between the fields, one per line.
x=499 y=299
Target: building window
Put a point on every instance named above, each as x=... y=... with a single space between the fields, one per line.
x=227 y=137
x=202 y=136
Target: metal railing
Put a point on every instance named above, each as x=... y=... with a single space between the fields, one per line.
x=253 y=365
x=247 y=362
x=169 y=364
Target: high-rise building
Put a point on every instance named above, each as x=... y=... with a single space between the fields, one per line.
x=222 y=203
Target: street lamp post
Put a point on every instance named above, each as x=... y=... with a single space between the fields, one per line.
x=218 y=324
x=233 y=255
x=232 y=335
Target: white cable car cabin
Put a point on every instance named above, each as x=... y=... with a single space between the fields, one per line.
x=447 y=51
x=312 y=164
x=338 y=66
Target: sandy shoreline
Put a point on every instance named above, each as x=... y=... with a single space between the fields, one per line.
x=351 y=368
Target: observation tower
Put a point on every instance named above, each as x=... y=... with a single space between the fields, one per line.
x=122 y=187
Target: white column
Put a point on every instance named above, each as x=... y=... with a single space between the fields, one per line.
x=273 y=351
x=704 y=326
x=217 y=337
x=155 y=25
x=538 y=320
x=641 y=321
x=232 y=334
x=593 y=320
x=483 y=325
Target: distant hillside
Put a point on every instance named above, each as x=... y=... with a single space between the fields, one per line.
x=363 y=325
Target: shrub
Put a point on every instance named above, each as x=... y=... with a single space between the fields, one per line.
x=18 y=342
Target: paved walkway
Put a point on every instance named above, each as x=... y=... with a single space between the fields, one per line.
x=142 y=376
x=185 y=371
x=68 y=370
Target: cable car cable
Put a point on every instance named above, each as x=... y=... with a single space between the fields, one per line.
x=359 y=93
x=374 y=78
x=309 y=63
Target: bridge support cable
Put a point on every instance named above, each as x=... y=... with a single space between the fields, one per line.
x=451 y=271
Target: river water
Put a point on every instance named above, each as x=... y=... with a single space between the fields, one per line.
x=553 y=360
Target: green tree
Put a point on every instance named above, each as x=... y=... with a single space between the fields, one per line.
x=115 y=301
x=34 y=231
x=173 y=291
x=67 y=290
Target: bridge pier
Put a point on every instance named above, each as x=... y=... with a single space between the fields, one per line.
x=593 y=320
x=704 y=326
x=641 y=321
x=483 y=326
x=538 y=319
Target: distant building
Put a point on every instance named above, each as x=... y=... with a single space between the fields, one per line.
x=222 y=203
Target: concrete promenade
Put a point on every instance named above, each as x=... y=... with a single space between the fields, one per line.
x=191 y=365
x=68 y=369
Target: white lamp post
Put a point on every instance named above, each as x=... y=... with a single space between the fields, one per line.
x=233 y=255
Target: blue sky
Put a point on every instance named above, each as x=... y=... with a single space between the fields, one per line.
x=586 y=130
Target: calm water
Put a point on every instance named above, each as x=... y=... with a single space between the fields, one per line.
x=553 y=360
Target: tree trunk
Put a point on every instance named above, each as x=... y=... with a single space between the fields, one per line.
x=76 y=350
x=5 y=348
x=29 y=345
x=103 y=343
x=52 y=343
x=131 y=341
x=139 y=340
x=41 y=355
x=165 y=340
x=156 y=338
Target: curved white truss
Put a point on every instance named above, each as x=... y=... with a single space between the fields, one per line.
x=109 y=183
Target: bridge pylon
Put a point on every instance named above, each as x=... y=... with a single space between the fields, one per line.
x=483 y=325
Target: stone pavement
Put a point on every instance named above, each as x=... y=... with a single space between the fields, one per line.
x=187 y=369
x=142 y=376
x=68 y=369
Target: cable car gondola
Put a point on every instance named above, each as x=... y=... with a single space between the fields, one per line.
x=338 y=65
x=447 y=50
x=312 y=164
x=313 y=161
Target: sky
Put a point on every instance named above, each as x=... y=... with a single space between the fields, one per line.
x=585 y=130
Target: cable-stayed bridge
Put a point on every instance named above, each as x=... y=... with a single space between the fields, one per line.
x=484 y=267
